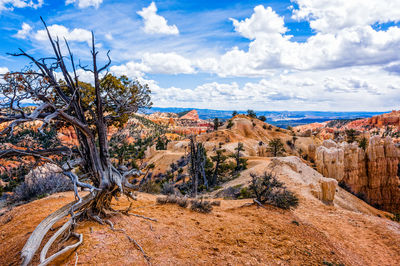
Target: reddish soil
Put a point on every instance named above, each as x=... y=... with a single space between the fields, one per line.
x=231 y=234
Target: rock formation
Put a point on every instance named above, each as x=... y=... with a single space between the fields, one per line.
x=387 y=124
x=43 y=171
x=300 y=174
x=192 y=115
x=372 y=173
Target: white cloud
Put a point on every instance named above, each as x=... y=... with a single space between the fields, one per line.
x=131 y=69
x=355 y=43
x=11 y=4
x=4 y=70
x=24 y=31
x=338 y=89
x=334 y=15
x=156 y=63
x=154 y=23
x=167 y=63
x=263 y=22
x=75 y=35
x=85 y=3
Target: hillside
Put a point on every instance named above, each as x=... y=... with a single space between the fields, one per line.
x=231 y=233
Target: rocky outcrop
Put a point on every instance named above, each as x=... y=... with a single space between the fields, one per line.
x=192 y=115
x=389 y=119
x=43 y=171
x=301 y=174
x=372 y=173
x=330 y=160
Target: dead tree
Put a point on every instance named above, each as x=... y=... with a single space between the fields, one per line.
x=237 y=156
x=88 y=110
x=197 y=164
x=219 y=159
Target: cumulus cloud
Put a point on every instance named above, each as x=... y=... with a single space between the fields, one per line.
x=352 y=41
x=334 y=15
x=133 y=70
x=154 y=23
x=24 y=31
x=85 y=3
x=263 y=22
x=338 y=89
x=156 y=63
x=11 y=4
x=167 y=63
x=75 y=35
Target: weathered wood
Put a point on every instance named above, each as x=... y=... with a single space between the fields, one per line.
x=35 y=239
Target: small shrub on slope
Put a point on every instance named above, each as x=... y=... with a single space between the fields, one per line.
x=268 y=189
x=168 y=189
x=41 y=187
x=203 y=206
x=172 y=199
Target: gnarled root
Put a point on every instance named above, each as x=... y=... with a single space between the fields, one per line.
x=93 y=205
x=34 y=241
x=64 y=250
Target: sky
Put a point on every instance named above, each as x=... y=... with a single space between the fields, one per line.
x=322 y=55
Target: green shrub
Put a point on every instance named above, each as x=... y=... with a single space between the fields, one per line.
x=251 y=113
x=245 y=193
x=262 y=118
x=268 y=189
x=396 y=217
x=230 y=124
x=151 y=187
x=363 y=143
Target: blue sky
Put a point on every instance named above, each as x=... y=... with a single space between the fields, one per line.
x=335 y=55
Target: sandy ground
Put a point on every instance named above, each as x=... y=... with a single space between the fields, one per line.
x=230 y=235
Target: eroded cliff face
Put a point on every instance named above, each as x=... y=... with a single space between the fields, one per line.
x=373 y=172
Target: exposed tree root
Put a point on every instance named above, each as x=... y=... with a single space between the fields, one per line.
x=126 y=212
x=64 y=250
x=34 y=241
x=130 y=239
x=247 y=204
x=259 y=203
x=143 y=217
x=95 y=206
x=46 y=247
x=253 y=203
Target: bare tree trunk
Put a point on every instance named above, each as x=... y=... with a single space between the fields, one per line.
x=61 y=102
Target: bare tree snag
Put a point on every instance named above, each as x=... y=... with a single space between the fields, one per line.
x=85 y=108
x=197 y=164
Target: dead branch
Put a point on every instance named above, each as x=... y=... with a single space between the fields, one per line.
x=130 y=239
x=259 y=203
x=143 y=217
